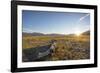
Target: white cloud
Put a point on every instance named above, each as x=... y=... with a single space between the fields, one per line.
x=83 y=17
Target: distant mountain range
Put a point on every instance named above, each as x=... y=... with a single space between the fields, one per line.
x=32 y=34
x=86 y=32
x=53 y=34
x=40 y=34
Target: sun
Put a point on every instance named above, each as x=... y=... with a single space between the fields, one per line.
x=77 y=33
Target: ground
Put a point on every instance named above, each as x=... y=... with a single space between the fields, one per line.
x=68 y=47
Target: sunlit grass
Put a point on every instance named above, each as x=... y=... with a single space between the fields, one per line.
x=67 y=47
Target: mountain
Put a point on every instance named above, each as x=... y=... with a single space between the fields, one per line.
x=41 y=34
x=83 y=33
x=52 y=34
x=86 y=32
x=32 y=34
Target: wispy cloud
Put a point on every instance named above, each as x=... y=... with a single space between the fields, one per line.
x=83 y=17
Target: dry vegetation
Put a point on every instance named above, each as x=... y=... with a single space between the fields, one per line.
x=67 y=47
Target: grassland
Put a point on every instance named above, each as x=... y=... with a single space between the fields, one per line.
x=67 y=47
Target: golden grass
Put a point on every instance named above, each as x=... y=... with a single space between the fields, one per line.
x=67 y=47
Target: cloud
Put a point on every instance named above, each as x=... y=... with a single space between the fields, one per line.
x=83 y=17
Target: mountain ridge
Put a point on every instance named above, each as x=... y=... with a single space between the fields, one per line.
x=51 y=34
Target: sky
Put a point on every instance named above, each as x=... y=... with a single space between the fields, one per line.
x=48 y=22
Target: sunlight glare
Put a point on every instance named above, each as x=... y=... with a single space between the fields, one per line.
x=78 y=33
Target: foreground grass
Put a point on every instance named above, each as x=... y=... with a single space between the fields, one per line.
x=67 y=47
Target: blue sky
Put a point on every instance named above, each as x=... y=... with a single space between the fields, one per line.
x=55 y=22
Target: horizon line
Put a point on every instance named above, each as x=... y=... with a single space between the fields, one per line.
x=54 y=33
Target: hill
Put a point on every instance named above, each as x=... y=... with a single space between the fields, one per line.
x=52 y=34
x=33 y=34
x=86 y=32
x=41 y=34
